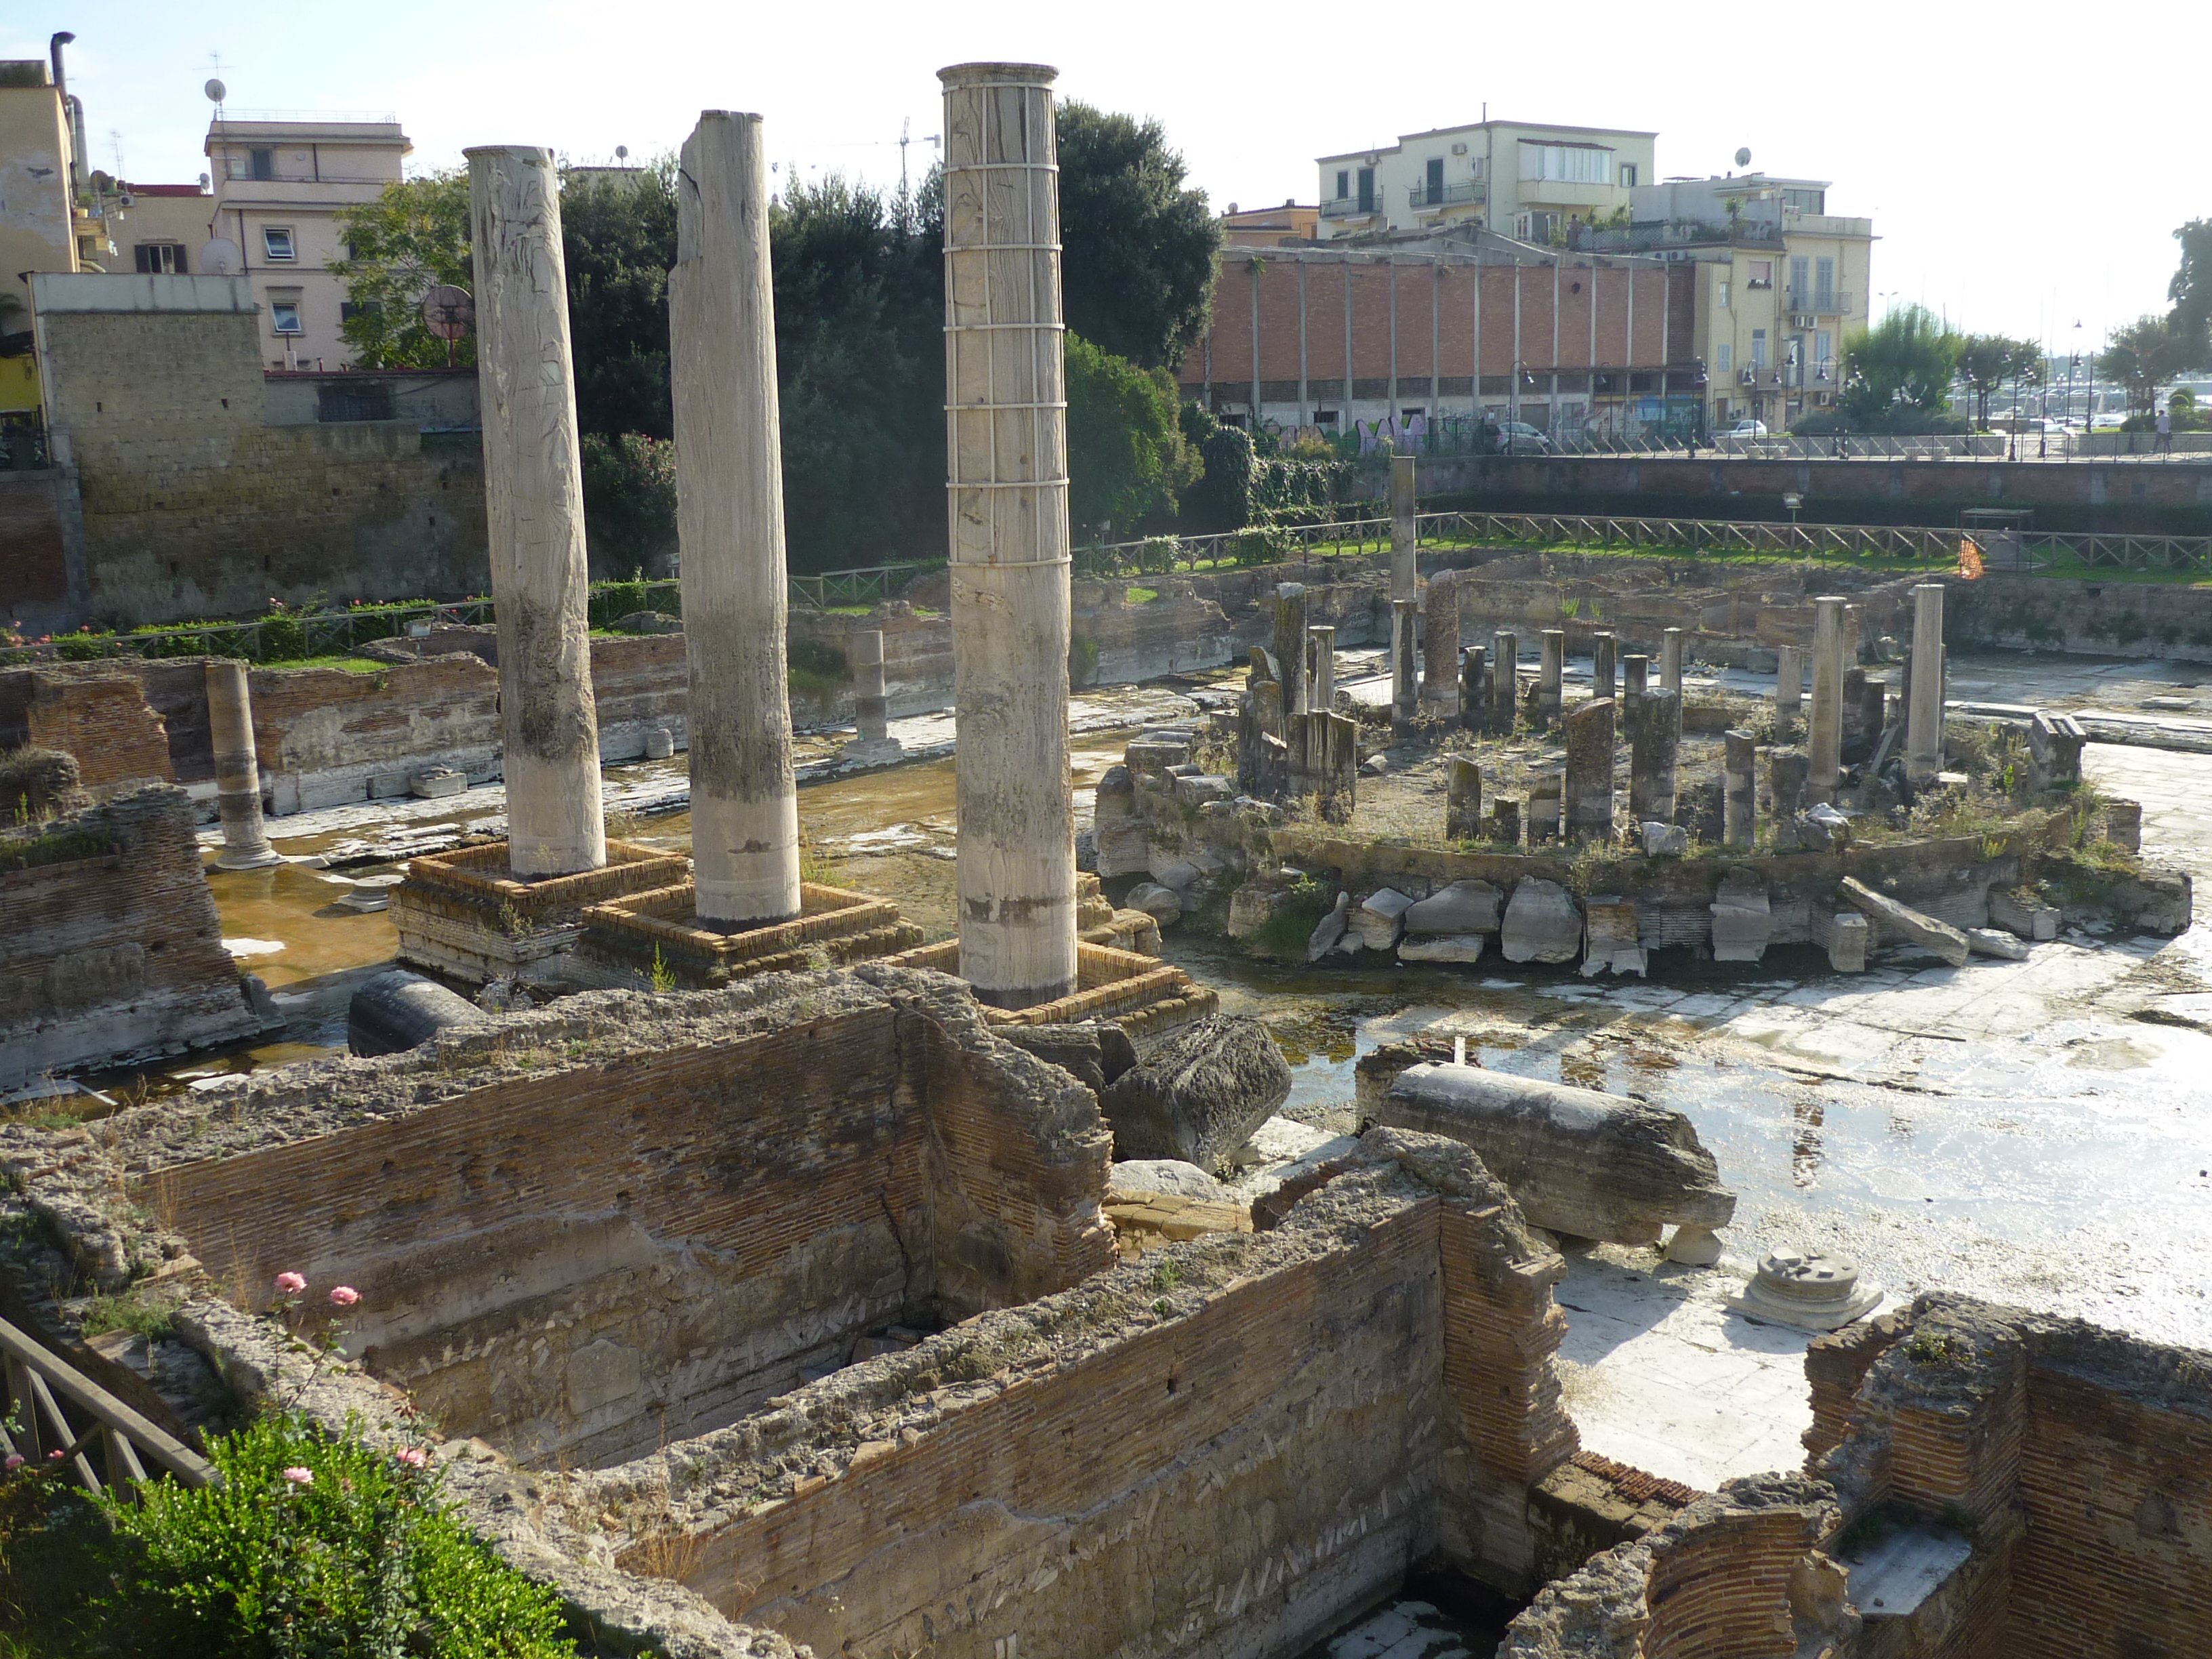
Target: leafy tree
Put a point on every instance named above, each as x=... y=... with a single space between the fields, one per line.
x=1987 y=360
x=414 y=236
x=859 y=315
x=2191 y=292
x=1902 y=364
x=629 y=502
x=2141 y=356
x=618 y=241
x=1222 y=497
x=1138 y=245
x=1126 y=459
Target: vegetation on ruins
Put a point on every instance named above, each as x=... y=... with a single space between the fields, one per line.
x=1128 y=460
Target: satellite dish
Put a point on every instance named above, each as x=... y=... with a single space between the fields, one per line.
x=219 y=257
x=1743 y=156
x=448 y=312
x=215 y=91
x=622 y=152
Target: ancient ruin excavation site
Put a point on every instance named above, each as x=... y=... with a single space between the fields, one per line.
x=1575 y=1055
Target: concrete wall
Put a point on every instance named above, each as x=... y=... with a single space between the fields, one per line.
x=111 y=951
x=2168 y=498
x=1216 y=1450
x=436 y=400
x=193 y=507
x=585 y=1236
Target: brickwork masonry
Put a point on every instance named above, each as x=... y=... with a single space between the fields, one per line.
x=110 y=952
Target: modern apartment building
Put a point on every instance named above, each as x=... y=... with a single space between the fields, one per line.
x=1287 y=226
x=1527 y=180
x=279 y=187
x=1781 y=285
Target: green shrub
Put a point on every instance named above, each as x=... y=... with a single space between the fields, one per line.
x=310 y=1545
x=629 y=501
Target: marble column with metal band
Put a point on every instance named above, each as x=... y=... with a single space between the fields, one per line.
x=1006 y=502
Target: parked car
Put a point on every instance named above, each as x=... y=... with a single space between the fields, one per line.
x=1747 y=428
x=1519 y=438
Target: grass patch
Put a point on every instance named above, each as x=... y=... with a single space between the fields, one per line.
x=350 y=664
x=1287 y=932
x=134 y=1311
x=1140 y=595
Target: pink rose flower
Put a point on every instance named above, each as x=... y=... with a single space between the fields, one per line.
x=55 y=1456
x=290 y=1284
x=343 y=1296
x=14 y=1463
x=300 y=1477
x=414 y=1457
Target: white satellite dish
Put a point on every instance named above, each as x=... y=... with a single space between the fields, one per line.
x=215 y=91
x=1743 y=156
x=219 y=257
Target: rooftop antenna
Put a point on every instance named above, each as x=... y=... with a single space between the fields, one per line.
x=1742 y=158
x=217 y=91
x=622 y=154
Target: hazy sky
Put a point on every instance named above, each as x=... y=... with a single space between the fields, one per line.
x=2021 y=165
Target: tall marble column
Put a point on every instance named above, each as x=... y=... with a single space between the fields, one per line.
x=1924 y=730
x=1006 y=449
x=729 y=523
x=237 y=773
x=1825 y=734
x=534 y=515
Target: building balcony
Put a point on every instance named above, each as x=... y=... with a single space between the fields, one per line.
x=1819 y=302
x=1351 y=207
x=1436 y=197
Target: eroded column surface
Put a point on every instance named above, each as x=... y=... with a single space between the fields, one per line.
x=1604 y=648
x=1590 y=772
x=1551 y=668
x=1404 y=629
x=1789 y=685
x=1405 y=531
x=1321 y=667
x=237 y=773
x=1635 y=675
x=729 y=523
x=1738 y=788
x=1290 y=647
x=1006 y=445
x=1440 y=644
x=871 y=708
x=1462 y=800
x=1824 y=737
x=1654 y=737
x=1923 y=730
x=1505 y=679
x=1670 y=660
x=1474 y=688
x=534 y=514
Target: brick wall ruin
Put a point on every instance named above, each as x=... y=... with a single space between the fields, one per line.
x=99 y=715
x=2041 y=1481
x=604 y=1228
x=1220 y=1448
x=111 y=951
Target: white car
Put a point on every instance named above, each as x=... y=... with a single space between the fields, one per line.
x=1747 y=429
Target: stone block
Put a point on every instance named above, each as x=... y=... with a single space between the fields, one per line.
x=1993 y=942
x=1380 y=919
x=1174 y=872
x=1259 y=901
x=1169 y=1175
x=1665 y=840
x=659 y=742
x=1198 y=788
x=2123 y=824
x=1577 y=1162
x=1329 y=932
x=1124 y=848
x=1200 y=1094
x=1541 y=923
x=436 y=782
x=1155 y=755
x=1743 y=920
x=2023 y=913
x=1163 y=904
x=1465 y=907
x=1846 y=936
x=1822 y=829
x=1441 y=947
x=1612 y=938
x=1902 y=921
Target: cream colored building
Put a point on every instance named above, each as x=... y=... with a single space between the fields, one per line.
x=278 y=188
x=51 y=220
x=1783 y=284
x=1523 y=178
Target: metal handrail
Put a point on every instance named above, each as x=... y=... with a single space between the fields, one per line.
x=57 y=1409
